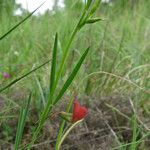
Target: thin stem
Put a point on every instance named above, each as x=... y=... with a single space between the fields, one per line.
x=67 y=132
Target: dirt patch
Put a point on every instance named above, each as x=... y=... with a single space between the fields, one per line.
x=106 y=125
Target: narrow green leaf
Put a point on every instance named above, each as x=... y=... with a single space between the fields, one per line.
x=93 y=20
x=53 y=68
x=135 y=133
x=65 y=116
x=23 y=76
x=21 y=123
x=18 y=24
x=71 y=77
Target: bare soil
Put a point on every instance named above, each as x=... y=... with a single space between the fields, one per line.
x=107 y=123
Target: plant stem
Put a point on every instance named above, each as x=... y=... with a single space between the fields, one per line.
x=67 y=132
x=50 y=102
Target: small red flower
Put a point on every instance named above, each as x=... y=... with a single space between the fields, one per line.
x=79 y=112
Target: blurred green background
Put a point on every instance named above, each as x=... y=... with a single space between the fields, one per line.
x=118 y=62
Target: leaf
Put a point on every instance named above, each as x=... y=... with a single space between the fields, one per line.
x=71 y=77
x=18 y=24
x=93 y=20
x=21 y=122
x=66 y=116
x=23 y=76
x=53 y=68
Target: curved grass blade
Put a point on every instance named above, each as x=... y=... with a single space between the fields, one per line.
x=21 y=123
x=72 y=75
x=18 y=24
x=23 y=76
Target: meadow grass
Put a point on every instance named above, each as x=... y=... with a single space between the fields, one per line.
x=117 y=63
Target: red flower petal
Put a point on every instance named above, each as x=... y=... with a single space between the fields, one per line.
x=79 y=112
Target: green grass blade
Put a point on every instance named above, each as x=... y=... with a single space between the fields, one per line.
x=135 y=133
x=21 y=123
x=23 y=76
x=18 y=24
x=71 y=77
x=53 y=68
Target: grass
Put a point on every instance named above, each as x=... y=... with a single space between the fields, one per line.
x=117 y=63
x=21 y=123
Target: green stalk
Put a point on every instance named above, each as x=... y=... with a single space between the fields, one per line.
x=48 y=107
x=51 y=101
x=66 y=51
x=63 y=123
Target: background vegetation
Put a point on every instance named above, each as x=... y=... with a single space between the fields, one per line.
x=117 y=64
